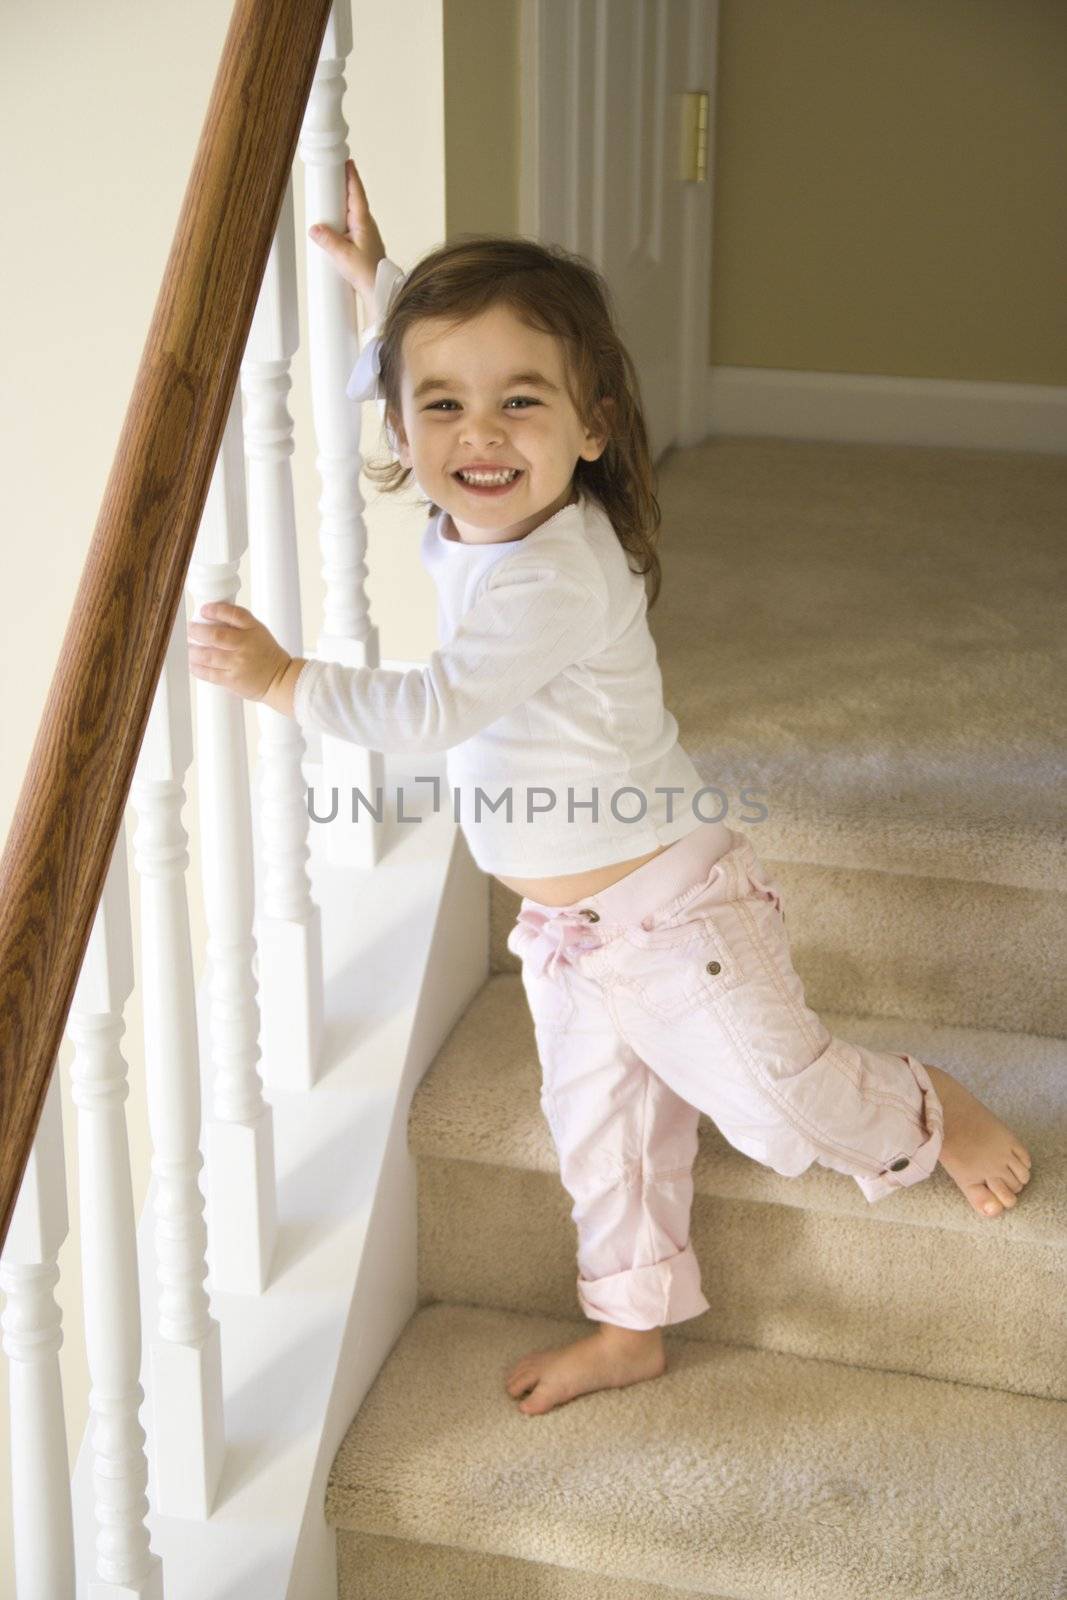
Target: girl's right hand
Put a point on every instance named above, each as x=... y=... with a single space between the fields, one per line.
x=356 y=254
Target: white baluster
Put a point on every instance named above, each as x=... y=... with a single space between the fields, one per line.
x=188 y=1436
x=288 y=927
x=125 y=1565
x=348 y=634
x=242 y=1210
x=33 y=1336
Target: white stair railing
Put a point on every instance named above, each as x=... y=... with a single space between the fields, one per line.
x=288 y=925
x=187 y=1437
x=263 y=989
x=242 y=1212
x=348 y=633
x=33 y=1335
x=124 y=1564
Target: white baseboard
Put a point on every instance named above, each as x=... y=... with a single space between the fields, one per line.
x=871 y=409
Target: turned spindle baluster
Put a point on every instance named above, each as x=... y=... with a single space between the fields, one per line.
x=239 y=1138
x=348 y=634
x=288 y=928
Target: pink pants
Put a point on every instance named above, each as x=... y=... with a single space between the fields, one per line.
x=670 y=993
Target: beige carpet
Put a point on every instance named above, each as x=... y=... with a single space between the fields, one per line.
x=876 y=1403
x=877 y=638
x=738 y=1472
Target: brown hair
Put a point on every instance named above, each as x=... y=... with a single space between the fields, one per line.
x=560 y=293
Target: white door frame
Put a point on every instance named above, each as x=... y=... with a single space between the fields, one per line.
x=558 y=131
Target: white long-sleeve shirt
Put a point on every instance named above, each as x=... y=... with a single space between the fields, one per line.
x=545 y=692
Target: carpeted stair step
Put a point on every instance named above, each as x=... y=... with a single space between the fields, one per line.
x=741 y=1473
x=916 y=1283
x=870 y=641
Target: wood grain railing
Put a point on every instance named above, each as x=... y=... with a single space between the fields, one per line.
x=75 y=791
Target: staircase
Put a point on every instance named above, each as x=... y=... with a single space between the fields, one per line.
x=872 y=638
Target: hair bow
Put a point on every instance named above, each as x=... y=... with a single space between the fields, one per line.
x=365 y=381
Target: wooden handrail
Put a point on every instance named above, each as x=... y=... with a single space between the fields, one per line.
x=78 y=779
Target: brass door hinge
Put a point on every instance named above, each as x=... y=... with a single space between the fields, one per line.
x=694 y=164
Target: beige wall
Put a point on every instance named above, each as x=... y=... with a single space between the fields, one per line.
x=890 y=192
x=482 y=116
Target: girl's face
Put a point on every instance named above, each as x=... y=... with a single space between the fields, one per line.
x=491 y=394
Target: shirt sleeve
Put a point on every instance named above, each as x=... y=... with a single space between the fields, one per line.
x=529 y=623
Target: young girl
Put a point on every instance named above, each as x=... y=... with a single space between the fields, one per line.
x=655 y=959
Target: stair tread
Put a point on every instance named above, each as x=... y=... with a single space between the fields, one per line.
x=880 y=660
x=479 y=1102
x=737 y=1471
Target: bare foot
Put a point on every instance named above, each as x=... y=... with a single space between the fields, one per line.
x=980 y=1153
x=610 y=1358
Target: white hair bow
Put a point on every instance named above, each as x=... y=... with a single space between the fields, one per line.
x=364 y=383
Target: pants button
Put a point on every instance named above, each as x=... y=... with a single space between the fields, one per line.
x=594 y=916
x=898 y=1166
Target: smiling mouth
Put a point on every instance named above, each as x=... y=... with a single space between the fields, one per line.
x=491 y=486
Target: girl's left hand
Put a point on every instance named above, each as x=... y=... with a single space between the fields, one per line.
x=234 y=649
x=355 y=254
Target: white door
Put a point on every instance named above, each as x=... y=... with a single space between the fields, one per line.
x=601 y=84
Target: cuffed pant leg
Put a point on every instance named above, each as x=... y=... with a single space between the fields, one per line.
x=633 y=1202
x=712 y=1002
x=626 y=1145
x=918 y=1159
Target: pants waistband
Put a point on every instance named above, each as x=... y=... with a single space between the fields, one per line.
x=658 y=881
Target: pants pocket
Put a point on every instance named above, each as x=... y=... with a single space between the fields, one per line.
x=668 y=971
